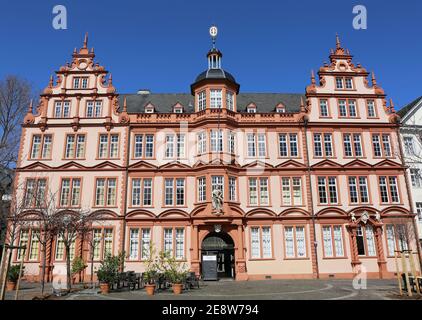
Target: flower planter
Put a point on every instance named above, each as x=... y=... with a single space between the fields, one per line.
x=150 y=289
x=177 y=288
x=10 y=285
x=105 y=288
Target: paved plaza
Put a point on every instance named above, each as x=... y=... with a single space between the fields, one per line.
x=251 y=290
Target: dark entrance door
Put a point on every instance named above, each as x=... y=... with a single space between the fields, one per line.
x=222 y=246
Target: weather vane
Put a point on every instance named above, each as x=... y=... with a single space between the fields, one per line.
x=213 y=34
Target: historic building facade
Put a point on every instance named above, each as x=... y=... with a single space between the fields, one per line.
x=411 y=136
x=277 y=185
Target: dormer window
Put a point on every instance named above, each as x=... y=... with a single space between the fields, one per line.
x=251 y=109
x=216 y=98
x=281 y=109
x=178 y=109
x=80 y=83
x=202 y=100
x=149 y=109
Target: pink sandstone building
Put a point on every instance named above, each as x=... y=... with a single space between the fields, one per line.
x=277 y=185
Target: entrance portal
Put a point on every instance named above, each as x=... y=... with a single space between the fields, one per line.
x=220 y=245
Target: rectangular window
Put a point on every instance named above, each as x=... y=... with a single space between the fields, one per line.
x=339 y=83
x=342 y=105
x=261 y=243
x=381 y=145
x=415 y=175
x=288 y=145
x=70 y=192
x=230 y=101
x=327 y=188
x=202 y=189
x=169 y=146
x=108 y=146
x=59 y=256
x=349 y=83
x=266 y=243
x=144 y=146
x=202 y=100
x=370 y=105
x=419 y=209
x=251 y=145
x=291 y=191
x=180 y=192
x=333 y=241
x=41 y=146
x=34 y=246
x=391 y=240
x=295 y=242
x=323 y=108
x=94 y=109
x=389 y=190
x=147 y=194
x=202 y=143
x=175 y=146
x=232 y=142
x=145 y=243
x=217 y=183
x=232 y=189
x=96 y=244
x=35 y=191
x=168 y=241
x=352 y=108
x=23 y=242
x=168 y=190
x=323 y=148
x=258 y=192
x=134 y=244
x=255 y=243
x=180 y=244
x=262 y=147
x=142 y=187
x=216 y=141
x=174 y=192
x=215 y=99
x=105 y=193
x=75 y=146
x=358 y=190
x=409 y=147
x=62 y=109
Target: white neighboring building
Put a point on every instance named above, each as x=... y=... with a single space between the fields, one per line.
x=411 y=134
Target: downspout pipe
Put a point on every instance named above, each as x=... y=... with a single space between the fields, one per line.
x=315 y=244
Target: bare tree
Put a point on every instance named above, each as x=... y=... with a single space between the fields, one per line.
x=15 y=96
x=46 y=223
x=71 y=225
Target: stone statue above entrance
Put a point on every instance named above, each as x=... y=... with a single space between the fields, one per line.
x=217 y=202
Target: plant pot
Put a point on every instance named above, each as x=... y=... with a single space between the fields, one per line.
x=105 y=288
x=10 y=285
x=177 y=288
x=150 y=289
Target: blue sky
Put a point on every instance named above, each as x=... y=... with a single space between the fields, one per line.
x=269 y=46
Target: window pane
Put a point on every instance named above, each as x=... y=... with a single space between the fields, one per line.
x=255 y=243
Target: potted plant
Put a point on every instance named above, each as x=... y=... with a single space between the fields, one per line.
x=152 y=266
x=78 y=266
x=176 y=272
x=13 y=276
x=108 y=272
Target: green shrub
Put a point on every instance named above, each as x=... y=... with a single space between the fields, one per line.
x=78 y=265
x=13 y=273
x=108 y=272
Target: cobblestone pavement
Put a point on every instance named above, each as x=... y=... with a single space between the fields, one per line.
x=262 y=290
x=231 y=290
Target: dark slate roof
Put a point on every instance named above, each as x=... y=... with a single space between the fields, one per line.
x=164 y=102
x=405 y=110
x=215 y=74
